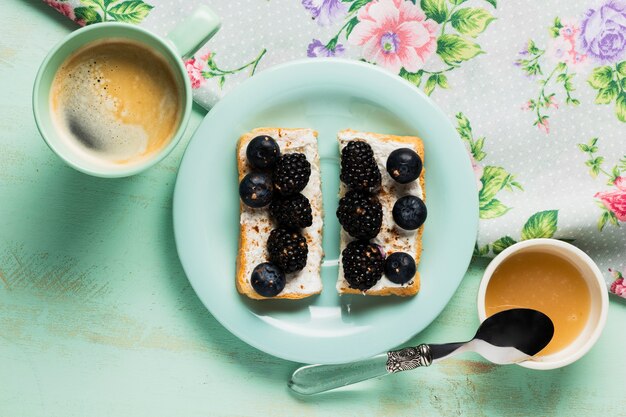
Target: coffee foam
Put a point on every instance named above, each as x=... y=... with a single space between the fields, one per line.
x=91 y=112
x=90 y=117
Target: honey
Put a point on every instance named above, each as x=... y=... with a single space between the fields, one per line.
x=544 y=282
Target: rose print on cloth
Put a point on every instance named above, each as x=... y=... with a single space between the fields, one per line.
x=560 y=57
x=603 y=31
x=612 y=202
x=603 y=37
x=618 y=287
x=615 y=200
x=395 y=34
x=408 y=37
x=490 y=180
x=194 y=70
x=600 y=37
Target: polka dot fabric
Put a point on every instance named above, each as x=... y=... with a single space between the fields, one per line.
x=537 y=93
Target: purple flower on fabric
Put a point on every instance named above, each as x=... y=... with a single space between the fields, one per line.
x=317 y=49
x=603 y=31
x=326 y=12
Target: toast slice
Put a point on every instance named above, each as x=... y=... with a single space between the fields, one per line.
x=391 y=238
x=256 y=224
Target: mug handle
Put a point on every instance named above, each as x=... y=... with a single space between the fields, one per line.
x=189 y=35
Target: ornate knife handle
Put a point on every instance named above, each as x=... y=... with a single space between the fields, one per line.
x=409 y=358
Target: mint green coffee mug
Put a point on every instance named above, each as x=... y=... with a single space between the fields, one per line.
x=182 y=42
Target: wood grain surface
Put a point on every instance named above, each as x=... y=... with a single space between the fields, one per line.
x=98 y=319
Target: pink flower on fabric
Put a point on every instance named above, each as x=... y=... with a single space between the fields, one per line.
x=527 y=106
x=194 y=70
x=565 y=47
x=570 y=29
x=558 y=49
x=618 y=287
x=544 y=125
x=553 y=103
x=620 y=182
x=206 y=56
x=395 y=34
x=615 y=200
x=64 y=8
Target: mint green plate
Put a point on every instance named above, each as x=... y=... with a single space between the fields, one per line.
x=326 y=95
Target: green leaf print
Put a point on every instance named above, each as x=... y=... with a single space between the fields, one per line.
x=430 y=84
x=480 y=251
x=220 y=74
x=611 y=85
x=454 y=49
x=99 y=4
x=608 y=93
x=130 y=11
x=494 y=3
x=435 y=9
x=620 y=107
x=471 y=21
x=457 y=2
x=541 y=225
x=414 y=78
x=493 y=179
x=350 y=26
x=555 y=30
x=494 y=208
x=357 y=5
x=502 y=243
x=600 y=77
x=87 y=14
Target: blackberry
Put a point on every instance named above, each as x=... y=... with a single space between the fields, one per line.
x=291 y=173
x=361 y=214
x=287 y=249
x=362 y=264
x=292 y=212
x=359 y=169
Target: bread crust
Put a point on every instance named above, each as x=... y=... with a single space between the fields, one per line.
x=245 y=245
x=414 y=286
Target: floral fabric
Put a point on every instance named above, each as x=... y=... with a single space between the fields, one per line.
x=537 y=92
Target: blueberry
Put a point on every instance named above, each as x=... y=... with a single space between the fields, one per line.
x=400 y=267
x=262 y=152
x=267 y=279
x=409 y=212
x=256 y=189
x=404 y=165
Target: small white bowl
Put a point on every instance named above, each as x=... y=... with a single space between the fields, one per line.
x=597 y=289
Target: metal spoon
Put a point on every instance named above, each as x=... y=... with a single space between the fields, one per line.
x=507 y=337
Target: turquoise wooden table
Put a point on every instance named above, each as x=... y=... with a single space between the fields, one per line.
x=97 y=317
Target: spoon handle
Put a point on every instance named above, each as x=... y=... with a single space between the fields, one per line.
x=314 y=379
